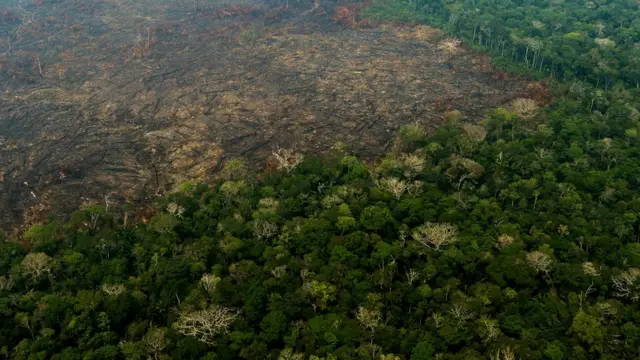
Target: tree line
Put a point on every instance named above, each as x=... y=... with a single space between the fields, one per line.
x=589 y=41
x=515 y=238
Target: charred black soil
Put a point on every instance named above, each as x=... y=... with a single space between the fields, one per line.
x=117 y=101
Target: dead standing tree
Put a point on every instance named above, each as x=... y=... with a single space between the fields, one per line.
x=539 y=261
x=37 y=265
x=206 y=324
x=154 y=342
x=287 y=159
x=113 y=289
x=209 y=282
x=449 y=47
x=627 y=284
x=435 y=236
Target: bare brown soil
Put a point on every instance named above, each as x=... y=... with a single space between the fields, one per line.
x=118 y=101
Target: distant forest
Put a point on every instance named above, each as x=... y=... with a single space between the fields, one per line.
x=594 y=41
x=516 y=238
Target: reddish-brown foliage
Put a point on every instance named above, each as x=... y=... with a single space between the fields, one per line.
x=24 y=243
x=271 y=165
x=349 y=16
x=500 y=76
x=344 y=17
x=538 y=92
x=145 y=215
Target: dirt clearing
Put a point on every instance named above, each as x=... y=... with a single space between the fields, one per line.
x=118 y=101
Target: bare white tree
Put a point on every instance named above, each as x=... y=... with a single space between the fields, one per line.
x=206 y=324
x=460 y=312
x=489 y=329
x=435 y=236
x=175 y=210
x=412 y=164
x=264 y=229
x=209 y=282
x=503 y=354
x=542 y=153
x=113 y=289
x=504 y=240
x=393 y=185
x=370 y=319
x=627 y=284
x=412 y=276
x=438 y=319
x=523 y=108
x=287 y=158
x=288 y=354
x=278 y=271
x=37 y=265
x=582 y=297
x=590 y=269
x=539 y=261
x=449 y=47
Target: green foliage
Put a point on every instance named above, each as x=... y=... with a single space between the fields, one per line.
x=274 y=325
x=422 y=351
x=321 y=263
x=375 y=218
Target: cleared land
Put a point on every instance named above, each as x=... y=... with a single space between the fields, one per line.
x=116 y=101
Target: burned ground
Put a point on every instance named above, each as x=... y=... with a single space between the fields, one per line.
x=121 y=100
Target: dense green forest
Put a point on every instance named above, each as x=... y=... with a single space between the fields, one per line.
x=516 y=238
